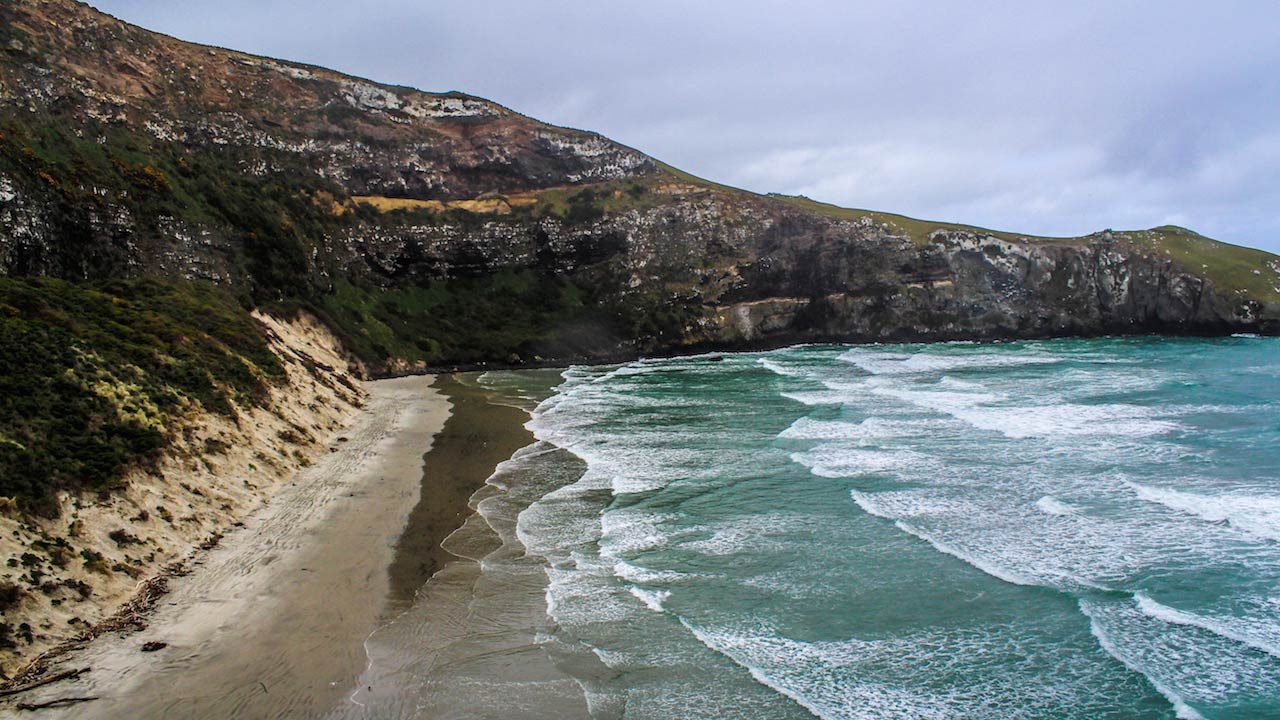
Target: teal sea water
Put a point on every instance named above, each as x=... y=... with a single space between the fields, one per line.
x=1057 y=529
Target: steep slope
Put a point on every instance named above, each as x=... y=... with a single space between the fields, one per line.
x=436 y=229
x=177 y=182
x=83 y=551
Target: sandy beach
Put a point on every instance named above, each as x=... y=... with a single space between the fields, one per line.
x=271 y=623
x=473 y=643
x=479 y=434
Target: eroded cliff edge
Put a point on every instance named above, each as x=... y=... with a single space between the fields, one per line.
x=443 y=229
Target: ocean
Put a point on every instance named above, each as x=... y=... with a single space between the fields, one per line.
x=1043 y=529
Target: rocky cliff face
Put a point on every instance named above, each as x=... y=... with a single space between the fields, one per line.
x=434 y=229
x=743 y=271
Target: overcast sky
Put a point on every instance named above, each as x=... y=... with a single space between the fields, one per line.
x=1042 y=117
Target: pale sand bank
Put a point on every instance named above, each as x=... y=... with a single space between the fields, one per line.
x=271 y=623
x=217 y=470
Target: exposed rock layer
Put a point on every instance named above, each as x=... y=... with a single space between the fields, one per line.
x=640 y=258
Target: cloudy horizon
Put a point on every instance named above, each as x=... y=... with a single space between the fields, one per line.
x=1035 y=117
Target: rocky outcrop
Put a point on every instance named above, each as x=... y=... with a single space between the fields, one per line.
x=751 y=272
x=126 y=153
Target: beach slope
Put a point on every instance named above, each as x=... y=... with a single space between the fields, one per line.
x=271 y=623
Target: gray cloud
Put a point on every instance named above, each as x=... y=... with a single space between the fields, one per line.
x=1044 y=117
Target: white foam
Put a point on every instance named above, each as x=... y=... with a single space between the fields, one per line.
x=1258 y=515
x=631 y=369
x=929 y=674
x=981 y=563
x=773 y=662
x=870 y=430
x=1188 y=663
x=575 y=596
x=645 y=576
x=1013 y=559
x=895 y=363
x=989 y=411
x=757 y=533
x=836 y=461
x=812 y=398
x=652 y=599
x=1180 y=706
x=1260 y=636
x=778 y=368
x=1053 y=506
x=630 y=531
x=910 y=503
x=956 y=384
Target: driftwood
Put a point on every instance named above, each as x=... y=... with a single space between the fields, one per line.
x=132 y=614
x=54 y=703
x=131 y=617
x=66 y=675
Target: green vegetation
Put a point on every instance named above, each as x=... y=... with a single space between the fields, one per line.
x=581 y=205
x=490 y=318
x=917 y=230
x=1228 y=266
x=682 y=176
x=92 y=376
x=88 y=166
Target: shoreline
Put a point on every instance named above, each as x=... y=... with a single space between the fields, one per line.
x=474 y=643
x=782 y=342
x=272 y=621
x=478 y=435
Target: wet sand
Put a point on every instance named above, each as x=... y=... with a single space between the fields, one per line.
x=477 y=642
x=272 y=622
x=477 y=436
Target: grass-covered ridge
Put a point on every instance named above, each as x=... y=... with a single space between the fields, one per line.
x=94 y=376
x=1229 y=267
x=571 y=204
x=917 y=230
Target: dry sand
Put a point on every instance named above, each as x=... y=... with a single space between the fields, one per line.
x=217 y=471
x=271 y=623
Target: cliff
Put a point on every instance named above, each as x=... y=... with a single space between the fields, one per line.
x=438 y=229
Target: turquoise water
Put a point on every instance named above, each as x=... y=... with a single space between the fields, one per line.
x=1058 y=529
